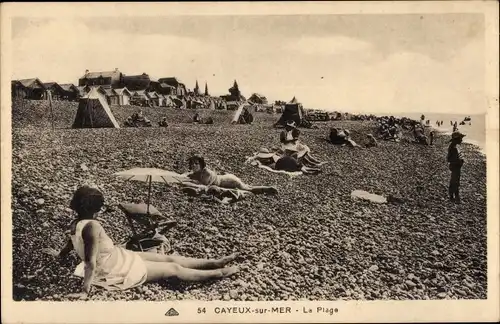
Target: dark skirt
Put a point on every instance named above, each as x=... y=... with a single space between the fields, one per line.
x=288 y=163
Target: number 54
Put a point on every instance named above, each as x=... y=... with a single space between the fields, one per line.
x=201 y=310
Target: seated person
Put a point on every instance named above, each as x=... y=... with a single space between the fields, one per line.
x=337 y=136
x=289 y=139
x=203 y=175
x=341 y=137
x=372 y=142
x=129 y=122
x=348 y=140
x=420 y=137
x=245 y=117
x=196 y=118
x=390 y=133
x=163 y=122
x=138 y=116
x=116 y=268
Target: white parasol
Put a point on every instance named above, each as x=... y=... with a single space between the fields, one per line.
x=150 y=175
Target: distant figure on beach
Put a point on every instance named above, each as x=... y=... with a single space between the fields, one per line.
x=163 y=122
x=196 y=118
x=456 y=162
x=455 y=127
x=431 y=137
x=115 y=268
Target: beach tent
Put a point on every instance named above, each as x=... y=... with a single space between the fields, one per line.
x=239 y=111
x=94 y=112
x=293 y=110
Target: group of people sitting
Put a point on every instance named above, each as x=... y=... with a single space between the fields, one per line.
x=292 y=156
x=388 y=129
x=137 y=120
x=198 y=119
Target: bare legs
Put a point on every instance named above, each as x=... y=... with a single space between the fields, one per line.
x=188 y=269
x=164 y=270
x=192 y=263
x=231 y=181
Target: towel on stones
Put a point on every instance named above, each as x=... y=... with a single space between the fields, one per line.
x=214 y=193
x=253 y=161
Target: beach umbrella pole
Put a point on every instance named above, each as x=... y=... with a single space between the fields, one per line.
x=149 y=193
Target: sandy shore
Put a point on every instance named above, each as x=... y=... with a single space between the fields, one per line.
x=311 y=242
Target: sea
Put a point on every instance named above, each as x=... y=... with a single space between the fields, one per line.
x=475 y=132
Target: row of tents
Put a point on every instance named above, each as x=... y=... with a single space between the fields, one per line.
x=95 y=112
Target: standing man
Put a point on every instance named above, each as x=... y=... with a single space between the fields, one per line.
x=455 y=161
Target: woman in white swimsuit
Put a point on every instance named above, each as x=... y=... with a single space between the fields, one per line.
x=115 y=268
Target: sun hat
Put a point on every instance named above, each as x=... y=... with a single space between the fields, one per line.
x=291 y=123
x=264 y=154
x=457 y=135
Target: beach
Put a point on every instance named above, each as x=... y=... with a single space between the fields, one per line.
x=475 y=132
x=312 y=241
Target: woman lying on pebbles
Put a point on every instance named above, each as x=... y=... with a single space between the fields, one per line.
x=203 y=175
x=289 y=162
x=115 y=268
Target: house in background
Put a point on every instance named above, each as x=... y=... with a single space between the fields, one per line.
x=110 y=96
x=83 y=91
x=140 y=82
x=162 y=102
x=70 y=91
x=111 y=79
x=123 y=96
x=177 y=88
x=258 y=99
x=140 y=98
x=57 y=92
x=32 y=89
x=153 y=98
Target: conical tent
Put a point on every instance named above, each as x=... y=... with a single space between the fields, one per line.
x=239 y=111
x=292 y=111
x=94 y=112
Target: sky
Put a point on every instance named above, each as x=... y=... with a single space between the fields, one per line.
x=359 y=63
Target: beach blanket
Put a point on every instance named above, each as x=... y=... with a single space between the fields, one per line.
x=253 y=161
x=211 y=193
x=214 y=193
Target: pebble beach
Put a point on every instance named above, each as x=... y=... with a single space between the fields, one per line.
x=310 y=242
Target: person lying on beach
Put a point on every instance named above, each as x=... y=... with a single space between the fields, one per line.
x=289 y=139
x=203 y=175
x=113 y=267
x=290 y=162
x=341 y=137
x=372 y=142
x=270 y=160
